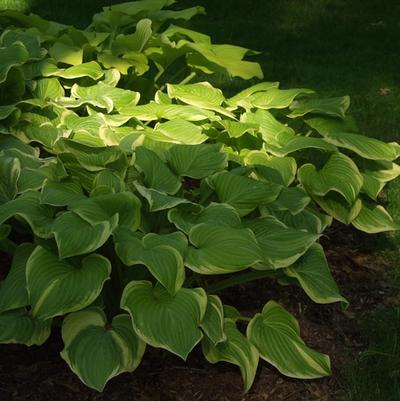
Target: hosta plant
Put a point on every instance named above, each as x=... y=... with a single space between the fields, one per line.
x=124 y=216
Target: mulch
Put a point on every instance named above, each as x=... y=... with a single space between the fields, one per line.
x=39 y=374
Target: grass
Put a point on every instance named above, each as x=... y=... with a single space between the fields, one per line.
x=375 y=374
x=337 y=47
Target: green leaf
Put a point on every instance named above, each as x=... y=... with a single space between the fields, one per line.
x=313 y=274
x=271 y=234
x=66 y=54
x=154 y=111
x=339 y=174
x=13 y=292
x=221 y=249
x=275 y=98
x=294 y=199
x=10 y=172
x=120 y=98
x=48 y=88
x=97 y=352
x=179 y=131
x=12 y=56
x=157 y=175
x=300 y=143
x=165 y=321
x=281 y=170
x=75 y=236
x=276 y=335
x=90 y=69
x=335 y=205
x=27 y=206
x=374 y=219
x=244 y=194
x=242 y=96
x=161 y=254
x=135 y=41
x=196 y=161
x=57 y=287
x=376 y=174
x=213 y=321
x=308 y=219
x=369 y=148
x=30 y=41
x=237 y=350
x=220 y=214
x=19 y=327
x=335 y=107
x=227 y=59
x=200 y=94
x=61 y=193
x=159 y=200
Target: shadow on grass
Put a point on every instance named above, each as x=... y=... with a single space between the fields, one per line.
x=375 y=374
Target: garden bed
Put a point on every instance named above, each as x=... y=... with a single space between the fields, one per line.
x=39 y=374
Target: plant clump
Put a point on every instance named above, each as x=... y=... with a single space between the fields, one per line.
x=130 y=195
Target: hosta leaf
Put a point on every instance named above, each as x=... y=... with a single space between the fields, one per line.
x=196 y=161
x=261 y=87
x=213 y=321
x=10 y=57
x=92 y=158
x=154 y=111
x=308 y=220
x=120 y=98
x=10 y=171
x=369 y=148
x=276 y=335
x=161 y=254
x=75 y=236
x=236 y=129
x=102 y=208
x=294 y=199
x=157 y=175
x=31 y=42
x=97 y=352
x=27 y=206
x=376 y=174
x=313 y=274
x=272 y=131
x=374 y=219
x=57 y=287
x=221 y=249
x=13 y=292
x=165 y=321
x=222 y=58
x=271 y=234
x=61 y=193
x=336 y=206
x=339 y=174
x=159 y=200
x=275 y=98
x=244 y=194
x=66 y=54
x=19 y=327
x=281 y=170
x=237 y=349
x=48 y=88
x=135 y=41
x=335 y=107
x=201 y=94
x=300 y=143
x=90 y=69
x=180 y=131
x=219 y=214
